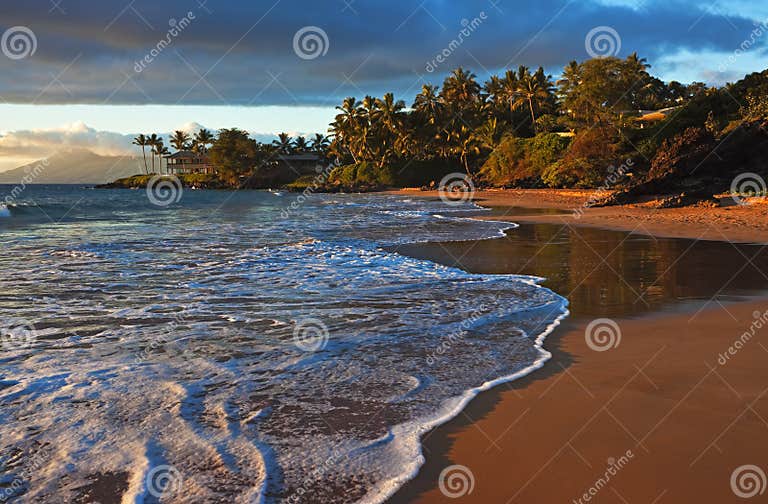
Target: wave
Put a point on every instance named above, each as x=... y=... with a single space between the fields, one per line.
x=170 y=339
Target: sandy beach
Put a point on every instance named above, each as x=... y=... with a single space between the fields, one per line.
x=731 y=222
x=666 y=410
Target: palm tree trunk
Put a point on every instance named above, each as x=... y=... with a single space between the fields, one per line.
x=144 y=154
x=466 y=162
x=533 y=116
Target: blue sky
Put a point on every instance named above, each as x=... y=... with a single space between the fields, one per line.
x=267 y=66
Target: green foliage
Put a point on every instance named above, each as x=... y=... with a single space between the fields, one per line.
x=503 y=130
x=303 y=182
x=234 y=155
x=587 y=160
x=362 y=176
x=522 y=161
x=202 y=180
x=546 y=149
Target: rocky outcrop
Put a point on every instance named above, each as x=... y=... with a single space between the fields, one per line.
x=693 y=166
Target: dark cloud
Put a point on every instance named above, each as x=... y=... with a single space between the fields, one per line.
x=242 y=53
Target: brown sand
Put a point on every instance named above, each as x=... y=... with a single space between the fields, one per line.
x=731 y=222
x=689 y=416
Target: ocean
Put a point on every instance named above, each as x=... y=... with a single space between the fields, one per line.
x=213 y=346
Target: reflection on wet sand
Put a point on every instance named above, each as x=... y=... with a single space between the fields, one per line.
x=612 y=273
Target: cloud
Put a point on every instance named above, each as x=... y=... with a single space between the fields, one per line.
x=242 y=53
x=21 y=146
x=41 y=143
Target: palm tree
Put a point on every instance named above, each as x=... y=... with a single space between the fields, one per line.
x=488 y=134
x=159 y=149
x=461 y=88
x=320 y=144
x=202 y=140
x=165 y=152
x=427 y=104
x=284 y=143
x=533 y=90
x=141 y=141
x=300 y=144
x=152 y=141
x=180 y=140
x=388 y=124
x=465 y=145
x=509 y=90
x=569 y=80
x=344 y=129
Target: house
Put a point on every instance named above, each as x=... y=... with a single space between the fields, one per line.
x=652 y=116
x=304 y=163
x=186 y=162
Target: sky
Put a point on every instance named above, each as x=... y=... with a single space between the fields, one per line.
x=75 y=73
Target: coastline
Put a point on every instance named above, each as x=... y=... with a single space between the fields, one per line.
x=662 y=393
x=734 y=223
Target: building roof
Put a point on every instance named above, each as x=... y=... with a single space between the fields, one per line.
x=304 y=156
x=655 y=115
x=185 y=154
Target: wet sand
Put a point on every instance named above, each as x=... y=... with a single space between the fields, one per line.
x=730 y=222
x=689 y=410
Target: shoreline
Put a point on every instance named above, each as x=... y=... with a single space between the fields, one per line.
x=527 y=438
x=733 y=223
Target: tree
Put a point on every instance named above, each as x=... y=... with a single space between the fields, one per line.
x=284 y=143
x=162 y=151
x=300 y=144
x=510 y=89
x=180 y=140
x=142 y=142
x=534 y=91
x=488 y=135
x=345 y=130
x=202 y=140
x=387 y=123
x=461 y=90
x=320 y=145
x=235 y=155
x=153 y=141
x=569 y=80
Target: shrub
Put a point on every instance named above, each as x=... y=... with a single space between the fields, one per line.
x=362 y=176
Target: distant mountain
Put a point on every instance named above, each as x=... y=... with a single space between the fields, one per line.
x=78 y=166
